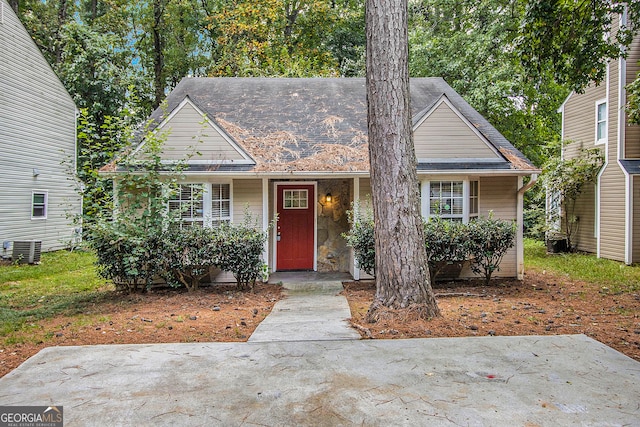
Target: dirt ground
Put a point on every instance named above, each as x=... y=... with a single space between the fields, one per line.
x=539 y=305
x=219 y=313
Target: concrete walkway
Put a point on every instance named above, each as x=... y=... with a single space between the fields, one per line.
x=312 y=310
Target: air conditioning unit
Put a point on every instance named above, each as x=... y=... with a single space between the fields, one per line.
x=27 y=251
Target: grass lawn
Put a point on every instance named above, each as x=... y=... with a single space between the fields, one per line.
x=611 y=276
x=65 y=283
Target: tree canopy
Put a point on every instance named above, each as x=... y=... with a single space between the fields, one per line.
x=513 y=60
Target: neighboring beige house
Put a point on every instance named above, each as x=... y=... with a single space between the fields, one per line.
x=297 y=148
x=37 y=144
x=608 y=212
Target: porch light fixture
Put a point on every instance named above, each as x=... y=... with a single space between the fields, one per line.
x=328 y=198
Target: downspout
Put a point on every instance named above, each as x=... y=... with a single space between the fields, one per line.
x=520 y=222
x=528 y=185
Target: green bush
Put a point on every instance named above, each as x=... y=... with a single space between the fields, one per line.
x=483 y=241
x=490 y=239
x=360 y=238
x=447 y=242
x=189 y=255
x=126 y=254
x=240 y=249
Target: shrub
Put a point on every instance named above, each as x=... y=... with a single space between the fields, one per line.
x=447 y=242
x=239 y=248
x=190 y=253
x=490 y=239
x=360 y=238
x=126 y=254
x=483 y=241
x=567 y=179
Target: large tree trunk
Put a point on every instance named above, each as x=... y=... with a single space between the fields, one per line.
x=402 y=274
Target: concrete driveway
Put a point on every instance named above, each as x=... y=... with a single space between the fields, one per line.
x=319 y=381
x=489 y=381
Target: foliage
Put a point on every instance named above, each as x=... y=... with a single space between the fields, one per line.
x=127 y=254
x=360 y=237
x=447 y=242
x=633 y=101
x=128 y=245
x=611 y=276
x=489 y=241
x=575 y=39
x=469 y=44
x=240 y=248
x=99 y=144
x=567 y=179
x=484 y=241
x=189 y=254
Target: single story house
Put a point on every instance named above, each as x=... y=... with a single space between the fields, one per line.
x=296 y=148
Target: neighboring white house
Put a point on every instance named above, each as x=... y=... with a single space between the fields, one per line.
x=297 y=148
x=37 y=144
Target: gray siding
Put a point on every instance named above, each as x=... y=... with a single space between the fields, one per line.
x=444 y=135
x=247 y=194
x=188 y=133
x=37 y=130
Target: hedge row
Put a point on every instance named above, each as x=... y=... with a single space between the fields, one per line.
x=133 y=257
x=483 y=242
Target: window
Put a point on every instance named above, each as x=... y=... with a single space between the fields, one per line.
x=296 y=199
x=220 y=204
x=453 y=200
x=446 y=199
x=39 y=205
x=202 y=204
x=188 y=202
x=601 y=122
x=473 y=199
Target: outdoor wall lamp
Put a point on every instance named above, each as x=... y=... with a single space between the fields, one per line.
x=328 y=198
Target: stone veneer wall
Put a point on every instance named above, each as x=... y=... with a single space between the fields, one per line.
x=333 y=252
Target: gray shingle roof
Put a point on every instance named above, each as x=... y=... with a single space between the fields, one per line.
x=632 y=166
x=313 y=124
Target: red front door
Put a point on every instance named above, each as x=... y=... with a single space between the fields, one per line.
x=295 y=229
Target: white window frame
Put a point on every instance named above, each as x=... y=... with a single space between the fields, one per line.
x=467 y=196
x=207 y=217
x=299 y=198
x=604 y=121
x=191 y=219
x=209 y=199
x=45 y=204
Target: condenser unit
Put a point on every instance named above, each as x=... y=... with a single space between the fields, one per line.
x=27 y=251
